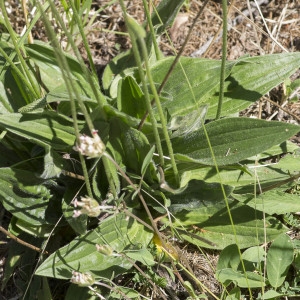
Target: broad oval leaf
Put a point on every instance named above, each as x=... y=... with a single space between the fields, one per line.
x=25 y=196
x=229 y=258
x=248 y=280
x=272 y=202
x=200 y=75
x=243 y=177
x=81 y=255
x=47 y=128
x=246 y=81
x=279 y=258
x=43 y=56
x=212 y=223
x=232 y=140
x=196 y=194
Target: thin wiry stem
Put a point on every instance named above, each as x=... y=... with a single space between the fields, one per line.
x=223 y=63
x=134 y=38
x=33 y=86
x=175 y=61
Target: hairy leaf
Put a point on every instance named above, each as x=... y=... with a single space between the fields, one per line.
x=27 y=198
x=43 y=56
x=272 y=202
x=232 y=140
x=212 y=222
x=243 y=177
x=196 y=194
x=248 y=280
x=47 y=128
x=165 y=13
x=195 y=81
x=279 y=259
x=81 y=254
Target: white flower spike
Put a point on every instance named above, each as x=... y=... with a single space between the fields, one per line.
x=90 y=146
x=88 y=206
x=82 y=279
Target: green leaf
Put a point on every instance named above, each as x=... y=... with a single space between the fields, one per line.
x=277 y=177
x=130 y=143
x=271 y=294
x=284 y=147
x=243 y=177
x=182 y=125
x=44 y=293
x=232 y=140
x=279 y=259
x=34 y=230
x=229 y=258
x=272 y=202
x=253 y=258
x=5 y=104
x=47 y=128
x=147 y=160
x=26 y=197
x=120 y=65
x=120 y=291
x=250 y=78
x=195 y=194
x=53 y=164
x=18 y=89
x=79 y=292
x=112 y=113
x=131 y=98
x=200 y=75
x=81 y=254
x=290 y=163
x=43 y=56
x=214 y=225
x=142 y=255
x=165 y=13
x=247 y=280
x=11 y=97
x=234 y=294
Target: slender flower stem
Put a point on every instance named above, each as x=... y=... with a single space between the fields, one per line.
x=160 y=111
x=224 y=55
x=137 y=35
x=33 y=88
x=175 y=61
x=153 y=224
x=71 y=88
x=134 y=38
x=91 y=79
x=110 y=176
x=156 y=48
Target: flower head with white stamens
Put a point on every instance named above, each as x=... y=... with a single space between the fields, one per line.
x=82 y=279
x=88 y=206
x=90 y=146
